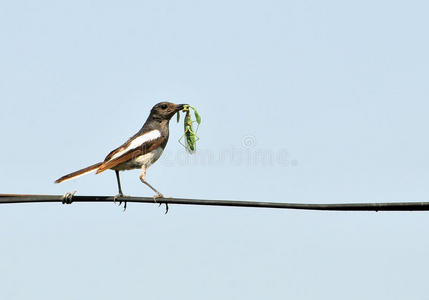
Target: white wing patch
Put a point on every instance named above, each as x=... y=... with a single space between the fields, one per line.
x=139 y=141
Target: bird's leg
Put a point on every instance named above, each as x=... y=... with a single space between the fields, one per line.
x=118 y=179
x=158 y=194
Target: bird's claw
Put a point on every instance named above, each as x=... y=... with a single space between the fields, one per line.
x=120 y=201
x=159 y=195
x=120 y=195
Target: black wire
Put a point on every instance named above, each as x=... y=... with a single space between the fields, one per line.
x=387 y=206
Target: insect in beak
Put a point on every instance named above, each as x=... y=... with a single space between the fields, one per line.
x=190 y=135
x=180 y=107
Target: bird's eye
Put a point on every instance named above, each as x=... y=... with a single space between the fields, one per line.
x=164 y=106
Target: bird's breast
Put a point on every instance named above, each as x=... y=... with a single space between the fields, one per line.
x=143 y=160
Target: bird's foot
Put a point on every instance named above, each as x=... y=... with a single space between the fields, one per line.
x=120 y=195
x=68 y=197
x=159 y=195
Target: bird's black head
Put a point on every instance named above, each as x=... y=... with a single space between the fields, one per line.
x=165 y=110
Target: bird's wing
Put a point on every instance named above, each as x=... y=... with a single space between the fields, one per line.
x=134 y=147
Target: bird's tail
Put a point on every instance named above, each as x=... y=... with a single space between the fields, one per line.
x=78 y=173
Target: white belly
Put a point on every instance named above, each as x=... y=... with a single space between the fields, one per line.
x=143 y=160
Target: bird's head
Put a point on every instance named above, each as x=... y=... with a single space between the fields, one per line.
x=165 y=110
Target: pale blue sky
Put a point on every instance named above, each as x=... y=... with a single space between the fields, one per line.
x=335 y=91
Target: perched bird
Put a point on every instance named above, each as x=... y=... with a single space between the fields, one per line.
x=140 y=151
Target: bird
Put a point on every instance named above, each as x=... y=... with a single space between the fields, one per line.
x=140 y=151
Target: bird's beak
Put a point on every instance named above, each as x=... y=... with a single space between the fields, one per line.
x=179 y=107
